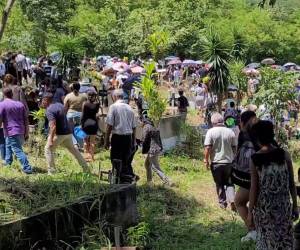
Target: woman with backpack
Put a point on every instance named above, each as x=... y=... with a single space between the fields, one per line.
x=241 y=171
x=152 y=146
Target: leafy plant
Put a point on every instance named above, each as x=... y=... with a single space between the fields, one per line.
x=39 y=116
x=193 y=141
x=71 y=50
x=217 y=53
x=237 y=77
x=138 y=235
x=156 y=104
x=239 y=45
x=158 y=42
x=275 y=90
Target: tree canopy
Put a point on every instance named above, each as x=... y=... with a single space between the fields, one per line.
x=126 y=27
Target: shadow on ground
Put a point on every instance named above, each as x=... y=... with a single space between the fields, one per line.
x=182 y=222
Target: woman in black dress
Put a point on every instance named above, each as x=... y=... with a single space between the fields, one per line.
x=89 y=124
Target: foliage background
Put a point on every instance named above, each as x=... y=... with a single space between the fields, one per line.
x=123 y=27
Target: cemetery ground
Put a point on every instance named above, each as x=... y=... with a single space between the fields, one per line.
x=185 y=216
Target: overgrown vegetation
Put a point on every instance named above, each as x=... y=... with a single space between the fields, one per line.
x=124 y=27
x=156 y=104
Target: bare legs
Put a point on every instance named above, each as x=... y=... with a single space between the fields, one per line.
x=89 y=148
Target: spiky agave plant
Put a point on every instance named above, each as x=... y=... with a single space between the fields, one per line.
x=217 y=53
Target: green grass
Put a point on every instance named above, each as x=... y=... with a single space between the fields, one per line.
x=186 y=216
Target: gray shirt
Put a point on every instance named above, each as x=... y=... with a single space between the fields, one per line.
x=221 y=139
x=121 y=117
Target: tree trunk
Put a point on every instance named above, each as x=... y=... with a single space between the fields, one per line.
x=5 y=14
x=219 y=102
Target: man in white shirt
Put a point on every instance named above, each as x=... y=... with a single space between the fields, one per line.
x=121 y=124
x=220 y=143
x=22 y=67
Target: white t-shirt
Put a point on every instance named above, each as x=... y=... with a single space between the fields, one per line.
x=21 y=62
x=121 y=117
x=120 y=79
x=221 y=139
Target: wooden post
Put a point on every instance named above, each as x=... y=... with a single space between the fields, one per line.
x=5 y=14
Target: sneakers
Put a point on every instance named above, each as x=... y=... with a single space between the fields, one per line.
x=250 y=236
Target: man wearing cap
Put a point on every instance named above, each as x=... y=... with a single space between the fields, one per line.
x=59 y=133
x=220 y=143
x=121 y=124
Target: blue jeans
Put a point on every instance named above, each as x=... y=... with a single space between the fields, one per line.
x=2 y=145
x=14 y=145
x=74 y=119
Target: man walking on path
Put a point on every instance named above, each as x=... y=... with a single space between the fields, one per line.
x=121 y=124
x=14 y=118
x=220 y=143
x=59 y=133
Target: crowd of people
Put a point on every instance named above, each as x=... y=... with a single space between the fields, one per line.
x=266 y=198
x=72 y=114
x=240 y=149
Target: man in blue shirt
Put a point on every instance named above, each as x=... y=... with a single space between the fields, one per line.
x=59 y=133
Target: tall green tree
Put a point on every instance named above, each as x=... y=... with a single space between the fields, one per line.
x=48 y=16
x=158 y=42
x=5 y=15
x=217 y=53
x=71 y=51
x=238 y=77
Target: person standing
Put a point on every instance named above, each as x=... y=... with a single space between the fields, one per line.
x=12 y=66
x=13 y=116
x=182 y=104
x=18 y=94
x=121 y=124
x=177 y=76
x=2 y=69
x=21 y=67
x=220 y=143
x=59 y=133
x=89 y=123
x=73 y=105
x=60 y=91
x=201 y=96
x=272 y=188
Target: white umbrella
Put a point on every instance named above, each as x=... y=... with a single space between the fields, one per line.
x=289 y=64
x=169 y=58
x=189 y=63
x=199 y=62
x=174 y=62
x=268 y=61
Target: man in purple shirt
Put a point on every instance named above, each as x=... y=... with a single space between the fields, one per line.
x=13 y=116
